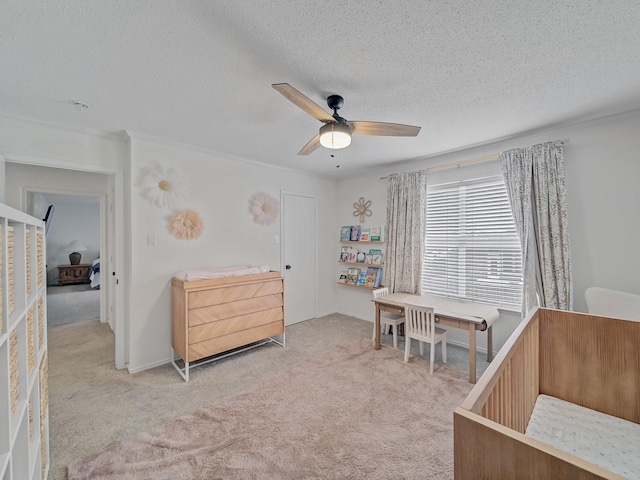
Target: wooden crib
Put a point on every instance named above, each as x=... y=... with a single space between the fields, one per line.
x=587 y=360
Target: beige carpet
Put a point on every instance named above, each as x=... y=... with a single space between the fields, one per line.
x=351 y=412
x=72 y=303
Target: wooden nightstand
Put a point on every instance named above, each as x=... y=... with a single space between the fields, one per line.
x=70 y=274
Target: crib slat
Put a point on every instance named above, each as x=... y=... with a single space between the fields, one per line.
x=592 y=361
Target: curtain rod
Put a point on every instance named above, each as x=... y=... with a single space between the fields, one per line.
x=467 y=162
x=457 y=164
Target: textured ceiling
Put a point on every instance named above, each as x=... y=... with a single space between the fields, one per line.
x=200 y=72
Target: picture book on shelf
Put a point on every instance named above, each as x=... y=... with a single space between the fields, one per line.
x=372 y=275
x=377 y=234
x=368 y=259
x=365 y=234
x=376 y=256
x=352 y=275
x=362 y=279
x=343 y=277
x=353 y=252
x=345 y=233
x=355 y=233
x=360 y=257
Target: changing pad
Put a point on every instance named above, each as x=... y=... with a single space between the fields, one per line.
x=235 y=271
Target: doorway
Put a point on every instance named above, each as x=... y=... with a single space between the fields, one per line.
x=299 y=257
x=26 y=176
x=74 y=230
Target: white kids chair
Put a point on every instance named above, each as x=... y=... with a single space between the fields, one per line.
x=387 y=319
x=420 y=323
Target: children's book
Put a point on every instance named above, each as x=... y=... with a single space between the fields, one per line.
x=365 y=234
x=345 y=233
x=368 y=259
x=352 y=275
x=353 y=252
x=344 y=254
x=377 y=234
x=372 y=275
x=379 y=278
x=355 y=233
x=376 y=256
x=343 y=277
x=360 y=257
x=362 y=279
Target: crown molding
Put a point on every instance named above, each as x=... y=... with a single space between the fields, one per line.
x=58 y=163
x=418 y=162
x=209 y=151
x=65 y=127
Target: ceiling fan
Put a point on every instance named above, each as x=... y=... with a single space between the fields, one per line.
x=336 y=131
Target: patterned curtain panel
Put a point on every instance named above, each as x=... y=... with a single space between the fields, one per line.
x=406 y=217
x=535 y=181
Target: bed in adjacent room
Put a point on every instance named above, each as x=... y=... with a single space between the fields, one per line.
x=94 y=273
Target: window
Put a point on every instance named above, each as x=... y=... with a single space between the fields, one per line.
x=472 y=250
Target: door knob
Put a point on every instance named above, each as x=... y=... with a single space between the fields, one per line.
x=288 y=267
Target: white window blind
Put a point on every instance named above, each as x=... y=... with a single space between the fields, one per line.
x=472 y=250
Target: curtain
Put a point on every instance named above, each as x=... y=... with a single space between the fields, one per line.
x=535 y=181
x=406 y=217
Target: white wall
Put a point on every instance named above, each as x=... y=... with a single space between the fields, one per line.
x=602 y=161
x=2 y=175
x=219 y=189
x=24 y=138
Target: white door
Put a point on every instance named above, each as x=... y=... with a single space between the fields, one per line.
x=299 y=257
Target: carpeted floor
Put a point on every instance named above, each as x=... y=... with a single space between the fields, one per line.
x=92 y=405
x=350 y=412
x=71 y=304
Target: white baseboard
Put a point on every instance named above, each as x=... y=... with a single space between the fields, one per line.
x=360 y=317
x=148 y=366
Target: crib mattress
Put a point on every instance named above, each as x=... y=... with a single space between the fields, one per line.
x=609 y=442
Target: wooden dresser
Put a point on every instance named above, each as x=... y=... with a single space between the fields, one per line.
x=216 y=315
x=69 y=274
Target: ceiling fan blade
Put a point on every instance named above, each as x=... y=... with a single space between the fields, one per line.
x=311 y=146
x=383 y=128
x=303 y=102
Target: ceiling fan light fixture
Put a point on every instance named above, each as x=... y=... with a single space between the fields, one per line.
x=335 y=135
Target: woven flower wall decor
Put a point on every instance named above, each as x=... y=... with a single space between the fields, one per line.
x=161 y=186
x=186 y=225
x=361 y=209
x=264 y=208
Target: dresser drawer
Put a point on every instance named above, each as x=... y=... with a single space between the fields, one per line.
x=227 y=342
x=221 y=295
x=198 y=316
x=228 y=326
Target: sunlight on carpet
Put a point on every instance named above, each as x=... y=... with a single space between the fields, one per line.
x=352 y=412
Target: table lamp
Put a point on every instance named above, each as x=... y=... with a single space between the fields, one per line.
x=75 y=247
